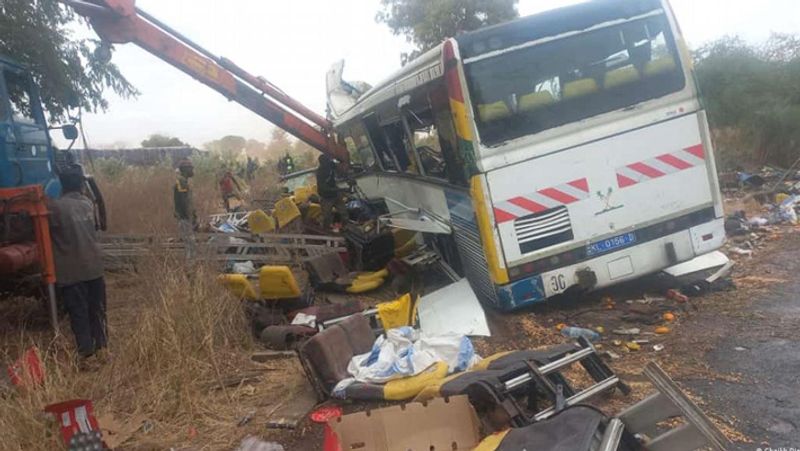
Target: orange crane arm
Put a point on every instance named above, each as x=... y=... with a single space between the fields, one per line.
x=120 y=22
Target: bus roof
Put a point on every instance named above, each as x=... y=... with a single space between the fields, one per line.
x=392 y=86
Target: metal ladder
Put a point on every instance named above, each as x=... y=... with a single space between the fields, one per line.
x=669 y=401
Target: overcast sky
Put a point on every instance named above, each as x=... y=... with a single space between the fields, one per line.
x=293 y=43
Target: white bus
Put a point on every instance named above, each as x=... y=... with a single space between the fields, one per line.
x=567 y=150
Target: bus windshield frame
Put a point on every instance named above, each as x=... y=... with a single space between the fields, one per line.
x=552 y=82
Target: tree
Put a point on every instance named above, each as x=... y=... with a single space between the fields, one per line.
x=38 y=34
x=255 y=149
x=157 y=140
x=229 y=147
x=426 y=23
x=752 y=94
x=279 y=143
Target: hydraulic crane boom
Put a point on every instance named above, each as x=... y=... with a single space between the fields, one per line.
x=120 y=22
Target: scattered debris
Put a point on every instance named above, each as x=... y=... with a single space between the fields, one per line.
x=576 y=332
x=658 y=347
x=251 y=443
x=632 y=346
x=325 y=414
x=661 y=330
x=628 y=331
x=438 y=313
x=449 y=423
x=288 y=415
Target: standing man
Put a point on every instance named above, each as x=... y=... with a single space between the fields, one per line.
x=286 y=164
x=229 y=188
x=79 y=262
x=329 y=194
x=184 y=208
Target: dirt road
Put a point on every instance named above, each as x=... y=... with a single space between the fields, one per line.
x=736 y=351
x=757 y=339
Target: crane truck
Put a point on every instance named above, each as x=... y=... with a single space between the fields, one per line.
x=29 y=167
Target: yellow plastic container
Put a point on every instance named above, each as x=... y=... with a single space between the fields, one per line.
x=408 y=387
x=239 y=286
x=286 y=211
x=277 y=282
x=260 y=222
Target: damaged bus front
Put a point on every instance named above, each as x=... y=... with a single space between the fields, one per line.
x=574 y=154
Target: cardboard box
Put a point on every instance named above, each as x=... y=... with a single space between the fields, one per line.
x=441 y=424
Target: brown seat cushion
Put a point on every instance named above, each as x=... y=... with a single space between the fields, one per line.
x=329 y=351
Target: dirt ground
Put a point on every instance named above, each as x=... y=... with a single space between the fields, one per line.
x=735 y=351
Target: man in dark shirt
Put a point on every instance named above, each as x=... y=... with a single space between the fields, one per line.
x=79 y=262
x=329 y=193
x=184 y=208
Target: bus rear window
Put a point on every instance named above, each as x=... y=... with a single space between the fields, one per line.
x=525 y=91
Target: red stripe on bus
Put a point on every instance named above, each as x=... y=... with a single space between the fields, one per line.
x=502 y=216
x=581 y=184
x=674 y=161
x=624 y=181
x=697 y=151
x=557 y=195
x=646 y=170
x=528 y=204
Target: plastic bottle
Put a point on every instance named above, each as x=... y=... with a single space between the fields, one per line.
x=576 y=332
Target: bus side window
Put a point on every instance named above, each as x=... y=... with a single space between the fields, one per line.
x=396 y=140
x=359 y=147
x=452 y=166
x=375 y=133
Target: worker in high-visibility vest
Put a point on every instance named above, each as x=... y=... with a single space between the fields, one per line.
x=286 y=164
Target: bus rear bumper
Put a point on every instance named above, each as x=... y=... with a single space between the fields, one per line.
x=615 y=267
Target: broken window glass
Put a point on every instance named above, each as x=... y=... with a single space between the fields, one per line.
x=534 y=88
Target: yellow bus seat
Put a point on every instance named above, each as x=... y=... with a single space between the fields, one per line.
x=659 y=66
x=314 y=213
x=260 y=222
x=621 y=76
x=277 y=282
x=286 y=211
x=238 y=286
x=302 y=193
x=578 y=88
x=408 y=387
x=397 y=313
x=535 y=100
x=493 y=111
x=492 y=441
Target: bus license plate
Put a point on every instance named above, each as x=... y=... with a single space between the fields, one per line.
x=610 y=244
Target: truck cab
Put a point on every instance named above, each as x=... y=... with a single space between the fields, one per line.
x=27 y=156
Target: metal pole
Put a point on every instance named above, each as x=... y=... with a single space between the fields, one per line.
x=51 y=295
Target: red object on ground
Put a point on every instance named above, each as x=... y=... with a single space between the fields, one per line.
x=677 y=296
x=330 y=441
x=28 y=370
x=325 y=414
x=74 y=416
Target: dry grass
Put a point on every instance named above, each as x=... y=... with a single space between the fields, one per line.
x=173 y=340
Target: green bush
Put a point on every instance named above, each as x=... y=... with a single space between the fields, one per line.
x=754 y=90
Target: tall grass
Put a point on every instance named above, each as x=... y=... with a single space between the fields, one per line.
x=172 y=338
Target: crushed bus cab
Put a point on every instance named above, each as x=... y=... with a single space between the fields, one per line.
x=566 y=150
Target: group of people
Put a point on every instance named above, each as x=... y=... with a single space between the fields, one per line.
x=78 y=255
